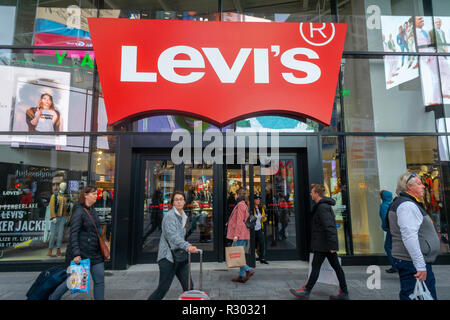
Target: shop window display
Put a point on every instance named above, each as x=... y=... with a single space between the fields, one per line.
x=38 y=189
x=374 y=164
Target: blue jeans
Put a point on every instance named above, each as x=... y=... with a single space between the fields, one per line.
x=388 y=248
x=56 y=228
x=406 y=272
x=244 y=269
x=98 y=275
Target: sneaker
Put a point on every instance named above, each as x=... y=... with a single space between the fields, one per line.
x=391 y=270
x=263 y=261
x=300 y=293
x=340 y=296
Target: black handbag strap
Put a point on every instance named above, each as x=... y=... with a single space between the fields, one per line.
x=92 y=220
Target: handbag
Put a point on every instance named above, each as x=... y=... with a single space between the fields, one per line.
x=179 y=255
x=103 y=247
x=251 y=222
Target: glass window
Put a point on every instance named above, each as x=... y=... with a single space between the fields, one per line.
x=44 y=92
x=368 y=20
x=374 y=164
x=7 y=20
x=385 y=96
x=39 y=186
x=279 y=11
x=441 y=7
x=332 y=177
x=171 y=10
x=102 y=177
x=50 y=23
x=169 y=123
x=274 y=124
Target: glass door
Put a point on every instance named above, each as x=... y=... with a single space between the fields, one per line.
x=281 y=232
x=199 y=192
x=157 y=179
x=277 y=189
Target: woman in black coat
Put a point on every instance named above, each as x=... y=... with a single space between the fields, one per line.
x=84 y=243
x=324 y=243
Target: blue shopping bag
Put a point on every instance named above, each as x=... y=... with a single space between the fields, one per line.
x=80 y=275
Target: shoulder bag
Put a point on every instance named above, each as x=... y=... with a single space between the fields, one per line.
x=103 y=247
x=179 y=255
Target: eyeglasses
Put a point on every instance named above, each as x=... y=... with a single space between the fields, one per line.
x=411 y=176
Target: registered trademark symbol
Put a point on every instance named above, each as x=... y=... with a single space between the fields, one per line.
x=321 y=34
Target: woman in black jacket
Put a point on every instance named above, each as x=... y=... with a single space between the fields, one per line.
x=84 y=243
x=324 y=243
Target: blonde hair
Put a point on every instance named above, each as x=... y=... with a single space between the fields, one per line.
x=243 y=195
x=401 y=182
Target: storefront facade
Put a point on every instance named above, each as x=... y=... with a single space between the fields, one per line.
x=389 y=117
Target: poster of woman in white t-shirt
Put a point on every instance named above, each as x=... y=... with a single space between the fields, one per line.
x=44 y=117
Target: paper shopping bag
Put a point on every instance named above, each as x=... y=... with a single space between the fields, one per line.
x=327 y=274
x=235 y=256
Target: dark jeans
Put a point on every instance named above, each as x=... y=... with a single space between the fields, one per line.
x=260 y=238
x=406 y=272
x=98 y=275
x=388 y=248
x=318 y=259
x=167 y=271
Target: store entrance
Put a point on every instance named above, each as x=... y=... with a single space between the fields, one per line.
x=279 y=192
x=209 y=192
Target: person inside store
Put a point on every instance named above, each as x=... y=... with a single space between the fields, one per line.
x=59 y=213
x=238 y=231
x=324 y=244
x=44 y=117
x=260 y=228
x=172 y=254
x=386 y=200
x=84 y=244
x=415 y=242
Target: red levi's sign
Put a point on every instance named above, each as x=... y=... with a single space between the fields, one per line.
x=217 y=71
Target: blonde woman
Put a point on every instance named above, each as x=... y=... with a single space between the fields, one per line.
x=238 y=231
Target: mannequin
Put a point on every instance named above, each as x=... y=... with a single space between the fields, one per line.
x=58 y=215
x=423 y=171
x=105 y=198
x=426 y=180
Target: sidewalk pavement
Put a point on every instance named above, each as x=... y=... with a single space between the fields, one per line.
x=270 y=282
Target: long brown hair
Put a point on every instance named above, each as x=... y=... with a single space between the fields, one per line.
x=86 y=190
x=52 y=106
x=243 y=195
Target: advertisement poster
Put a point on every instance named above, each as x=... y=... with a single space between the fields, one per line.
x=66 y=27
x=398 y=36
x=34 y=100
x=442 y=38
x=418 y=34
